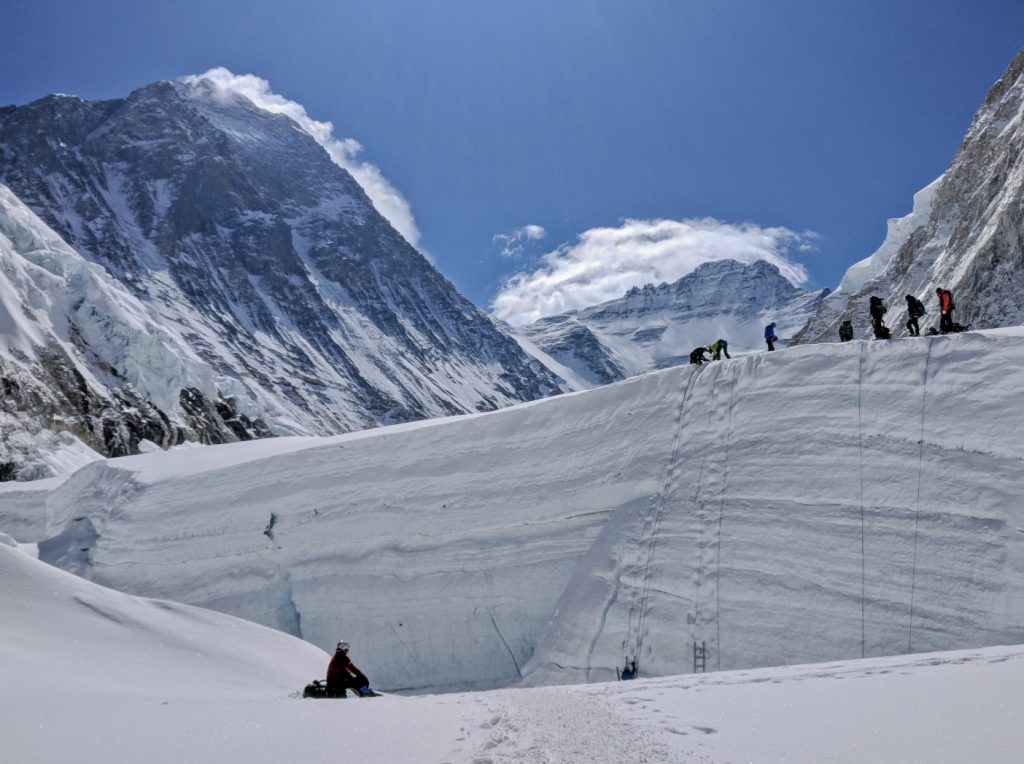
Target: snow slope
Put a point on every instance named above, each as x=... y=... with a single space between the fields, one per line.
x=78 y=661
x=94 y=676
x=822 y=502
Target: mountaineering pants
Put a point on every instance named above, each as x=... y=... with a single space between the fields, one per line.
x=946 y=322
x=913 y=327
x=771 y=342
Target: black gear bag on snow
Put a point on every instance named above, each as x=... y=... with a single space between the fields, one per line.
x=315 y=689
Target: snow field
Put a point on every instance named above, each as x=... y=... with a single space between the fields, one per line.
x=92 y=675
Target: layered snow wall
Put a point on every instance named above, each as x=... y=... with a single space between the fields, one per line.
x=823 y=502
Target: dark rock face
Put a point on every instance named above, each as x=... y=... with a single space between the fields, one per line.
x=966 y=233
x=219 y=421
x=56 y=398
x=243 y=238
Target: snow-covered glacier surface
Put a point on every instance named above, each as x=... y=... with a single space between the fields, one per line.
x=96 y=676
x=822 y=502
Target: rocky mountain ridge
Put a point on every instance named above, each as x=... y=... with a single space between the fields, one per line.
x=264 y=262
x=966 y=233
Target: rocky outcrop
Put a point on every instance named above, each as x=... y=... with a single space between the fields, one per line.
x=55 y=406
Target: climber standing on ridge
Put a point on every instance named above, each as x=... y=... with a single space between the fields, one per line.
x=946 y=307
x=697 y=356
x=915 y=309
x=343 y=675
x=769 y=336
x=717 y=348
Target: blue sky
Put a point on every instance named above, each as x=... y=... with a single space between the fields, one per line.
x=774 y=117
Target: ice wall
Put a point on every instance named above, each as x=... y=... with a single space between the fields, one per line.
x=822 y=502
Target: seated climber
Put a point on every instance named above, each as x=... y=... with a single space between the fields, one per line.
x=342 y=675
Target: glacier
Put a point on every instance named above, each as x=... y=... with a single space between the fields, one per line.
x=823 y=502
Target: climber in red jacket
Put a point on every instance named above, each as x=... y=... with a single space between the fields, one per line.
x=342 y=675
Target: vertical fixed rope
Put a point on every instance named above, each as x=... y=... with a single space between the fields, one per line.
x=657 y=510
x=700 y=505
x=648 y=518
x=917 y=510
x=860 y=451
x=721 y=514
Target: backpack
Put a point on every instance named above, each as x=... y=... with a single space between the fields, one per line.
x=920 y=307
x=846 y=331
x=315 y=689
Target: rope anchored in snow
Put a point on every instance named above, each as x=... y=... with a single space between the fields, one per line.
x=917 y=509
x=700 y=507
x=653 y=520
x=721 y=516
x=860 y=450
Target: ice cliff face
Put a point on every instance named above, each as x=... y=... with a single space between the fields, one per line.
x=259 y=260
x=655 y=327
x=966 y=233
x=76 y=349
x=828 y=501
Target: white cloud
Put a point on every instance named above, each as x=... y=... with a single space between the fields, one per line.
x=344 y=151
x=512 y=243
x=603 y=263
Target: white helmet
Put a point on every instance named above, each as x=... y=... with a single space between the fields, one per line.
x=343 y=646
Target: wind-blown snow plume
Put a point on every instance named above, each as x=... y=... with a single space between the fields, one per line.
x=604 y=263
x=344 y=151
x=512 y=243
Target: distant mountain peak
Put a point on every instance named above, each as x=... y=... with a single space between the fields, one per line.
x=652 y=327
x=248 y=245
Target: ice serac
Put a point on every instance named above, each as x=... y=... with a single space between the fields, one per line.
x=965 y=233
x=828 y=501
x=76 y=350
x=248 y=244
x=654 y=327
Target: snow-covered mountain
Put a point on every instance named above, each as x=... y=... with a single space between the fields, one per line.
x=827 y=501
x=655 y=327
x=965 y=233
x=256 y=255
